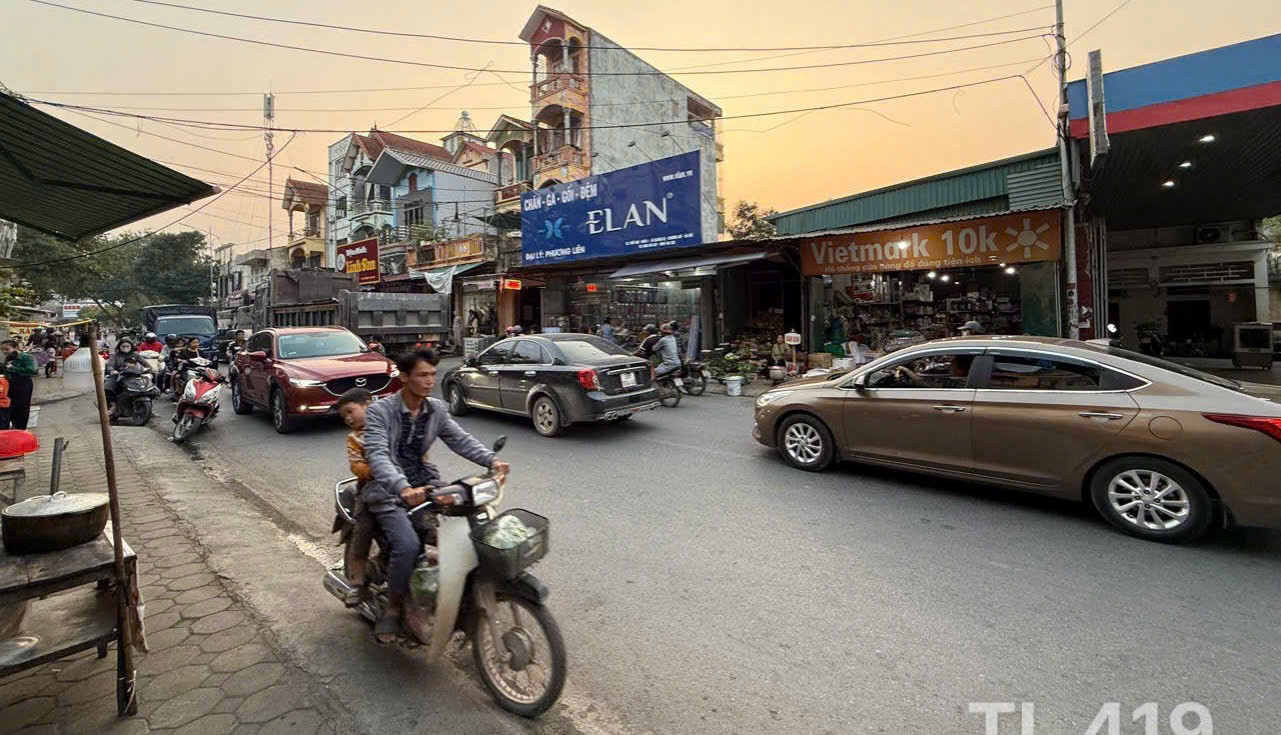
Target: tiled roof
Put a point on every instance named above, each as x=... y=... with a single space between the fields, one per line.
x=372 y=147
x=309 y=192
x=400 y=142
x=478 y=148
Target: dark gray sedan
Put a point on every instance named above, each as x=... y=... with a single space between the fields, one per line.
x=555 y=379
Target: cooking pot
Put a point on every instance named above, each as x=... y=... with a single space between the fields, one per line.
x=53 y=522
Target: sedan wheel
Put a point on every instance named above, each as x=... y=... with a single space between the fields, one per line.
x=546 y=417
x=280 y=418
x=238 y=402
x=1152 y=499
x=457 y=402
x=806 y=443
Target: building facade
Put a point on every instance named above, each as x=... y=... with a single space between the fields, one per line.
x=307 y=242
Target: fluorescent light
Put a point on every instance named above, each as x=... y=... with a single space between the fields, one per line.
x=1207 y=138
x=945 y=278
x=931 y=274
x=1169 y=184
x=1185 y=164
x=1010 y=270
x=1002 y=265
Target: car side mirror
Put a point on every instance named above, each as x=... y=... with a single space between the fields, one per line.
x=257 y=355
x=472 y=362
x=860 y=383
x=500 y=443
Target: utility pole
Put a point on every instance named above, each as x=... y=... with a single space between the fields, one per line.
x=269 y=118
x=1069 y=194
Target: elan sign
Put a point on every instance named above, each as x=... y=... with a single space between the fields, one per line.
x=1014 y=238
x=631 y=210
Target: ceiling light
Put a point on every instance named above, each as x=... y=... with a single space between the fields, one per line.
x=945 y=278
x=1010 y=270
x=1206 y=138
x=1169 y=184
x=1002 y=265
x=1185 y=164
x=931 y=274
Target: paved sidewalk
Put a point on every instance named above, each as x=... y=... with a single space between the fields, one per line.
x=52 y=390
x=212 y=668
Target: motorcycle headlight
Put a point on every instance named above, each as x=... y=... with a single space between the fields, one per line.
x=305 y=383
x=189 y=392
x=767 y=398
x=484 y=493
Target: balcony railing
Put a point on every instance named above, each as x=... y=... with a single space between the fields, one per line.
x=509 y=192
x=370 y=206
x=557 y=82
x=563 y=156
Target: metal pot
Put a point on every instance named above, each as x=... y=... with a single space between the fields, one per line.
x=53 y=522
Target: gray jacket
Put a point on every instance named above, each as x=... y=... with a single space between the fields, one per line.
x=382 y=431
x=668 y=353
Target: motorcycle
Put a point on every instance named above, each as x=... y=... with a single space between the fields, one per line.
x=199 y=402
x=694 y=377
x=133 y=389
x=472 y=583
x=669 y=388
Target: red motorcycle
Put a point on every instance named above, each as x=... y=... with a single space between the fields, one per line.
x=199 y=402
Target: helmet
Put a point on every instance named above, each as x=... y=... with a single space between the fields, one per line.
x=149 y=336
x=671 y=326
x=651 y=328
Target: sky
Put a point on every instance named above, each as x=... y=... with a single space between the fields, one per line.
x=781 y=161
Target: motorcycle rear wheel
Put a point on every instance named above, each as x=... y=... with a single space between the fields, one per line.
x=668 y=394
x=185 y=427
x=521 y=624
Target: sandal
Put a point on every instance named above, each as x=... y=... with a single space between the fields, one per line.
x=387 y=625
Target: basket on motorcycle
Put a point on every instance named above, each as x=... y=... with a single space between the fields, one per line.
x=508 y=562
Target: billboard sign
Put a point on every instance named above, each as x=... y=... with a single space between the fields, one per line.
x=71 y=310
x=360 y=259
x=632 y=210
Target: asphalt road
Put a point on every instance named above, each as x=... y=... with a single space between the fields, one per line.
x=704 y=586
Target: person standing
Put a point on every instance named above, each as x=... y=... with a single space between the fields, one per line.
x=607 y=330
x=20 y=369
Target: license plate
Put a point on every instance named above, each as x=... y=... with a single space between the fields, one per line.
x=629 y=380
x=679 y=383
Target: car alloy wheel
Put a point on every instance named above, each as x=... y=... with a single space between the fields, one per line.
x=806 y=443
x=280 y=414
x=1149 y=500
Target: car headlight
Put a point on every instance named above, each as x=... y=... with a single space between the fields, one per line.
x=484 y=493
x=767 y=398
x=395 y=372
x=305 y=383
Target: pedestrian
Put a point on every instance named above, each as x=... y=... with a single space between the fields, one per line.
x=19 y=368
x=4 y=402
x=607 y=329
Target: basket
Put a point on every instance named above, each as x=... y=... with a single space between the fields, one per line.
x=509 y=563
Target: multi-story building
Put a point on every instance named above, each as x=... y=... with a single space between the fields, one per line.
x=585 y=84
x=306 y=245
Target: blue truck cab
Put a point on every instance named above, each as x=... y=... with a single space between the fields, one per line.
x=186 y=321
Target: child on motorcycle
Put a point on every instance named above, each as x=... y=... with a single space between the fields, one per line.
x=351 y=406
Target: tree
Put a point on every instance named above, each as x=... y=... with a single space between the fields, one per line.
x=127 y=274
x=1272 y=229
x=749 y=222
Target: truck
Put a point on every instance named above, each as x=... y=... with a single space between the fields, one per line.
x=308 y=297
x=186 y=321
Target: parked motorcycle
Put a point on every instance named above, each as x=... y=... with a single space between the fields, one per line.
x=133 y=389
x=694 y=377
x=669 y=388
x=202 y=388
x=479 y=585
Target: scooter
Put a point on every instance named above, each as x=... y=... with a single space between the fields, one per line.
x=694 y=377
x=133 y=389
x=669 y=388
x=478 y=584
x=199 y=402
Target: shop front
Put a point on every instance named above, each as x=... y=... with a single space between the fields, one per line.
x=877 y=284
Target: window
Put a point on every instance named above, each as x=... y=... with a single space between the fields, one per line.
x=496 y=355
x=414 y=214
x=1053 y=372
x=938 y=371
x=259 y=343
x=1174 y=367
x=320 y=344
x=340 y=207
x=528 y=352
x=384 y=192
x=413 y=183
x=589 y=349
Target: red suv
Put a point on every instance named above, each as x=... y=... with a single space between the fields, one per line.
x=300 y=372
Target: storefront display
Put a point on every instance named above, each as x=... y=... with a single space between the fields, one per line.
x=479 y=307
x=629 y=304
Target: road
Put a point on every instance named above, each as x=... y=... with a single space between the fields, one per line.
x=704 y=586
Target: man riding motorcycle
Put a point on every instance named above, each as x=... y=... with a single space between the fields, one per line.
x=649 y=342
x=150 y=342
x=236 y=345
x=398 y=433
x=669 y=359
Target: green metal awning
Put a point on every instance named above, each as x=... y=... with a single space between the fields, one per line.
x=67 y=182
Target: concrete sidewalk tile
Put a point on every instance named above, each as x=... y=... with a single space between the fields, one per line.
x=26 y=712
x=204 y=607
x=253 y=679
x=163 y=639
x=218 y=724
x=228 y=639
x=269 y=704
x=185 y=708
x=199 y=594
x=298 y=722
x=242 y=657
x=178 y=681
x=218 y=622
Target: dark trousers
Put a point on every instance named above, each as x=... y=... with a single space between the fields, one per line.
x=403 y=540
x=20 y=387
x=4 y=419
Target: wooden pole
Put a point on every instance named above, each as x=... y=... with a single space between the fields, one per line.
x=125 y=682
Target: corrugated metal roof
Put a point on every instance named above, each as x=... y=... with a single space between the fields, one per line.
x=1036 y=187
x=901 y=224
x=384 y=174
x=984 y=182
x=59 y=179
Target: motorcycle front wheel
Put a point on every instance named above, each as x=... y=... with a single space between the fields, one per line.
x=525 y=669
x=696 y=385
x=668 y=394
x=142 y=411
x=185 y=427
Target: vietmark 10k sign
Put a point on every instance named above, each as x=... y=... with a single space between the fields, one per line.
x=360 y=259
x=1013 y=238
x=635 y=209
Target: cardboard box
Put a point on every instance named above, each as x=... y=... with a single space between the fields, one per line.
x=820 y=359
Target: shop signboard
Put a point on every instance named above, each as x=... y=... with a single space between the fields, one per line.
x=635 y=209
x=71 y=310
x=1027 y=237
x=360 y=259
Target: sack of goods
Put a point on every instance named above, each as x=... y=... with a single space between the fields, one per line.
x=507 y=532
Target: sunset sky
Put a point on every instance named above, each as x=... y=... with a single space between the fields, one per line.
x=782 y=161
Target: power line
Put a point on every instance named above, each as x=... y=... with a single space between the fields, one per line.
x=131 y=241
x=408 y=62
x=1082 y=34
x=497 y=42
x=212 y=125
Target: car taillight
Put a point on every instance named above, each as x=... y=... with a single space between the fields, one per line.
x=1265 y=424
x=588 y=379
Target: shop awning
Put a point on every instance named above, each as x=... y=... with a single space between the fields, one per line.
x=711 y=263
x=67 y=182
x=441 y=280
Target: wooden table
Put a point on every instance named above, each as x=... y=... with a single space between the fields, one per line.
x=72 y=610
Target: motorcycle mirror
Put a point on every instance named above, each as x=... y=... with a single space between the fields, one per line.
x=500 y=443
